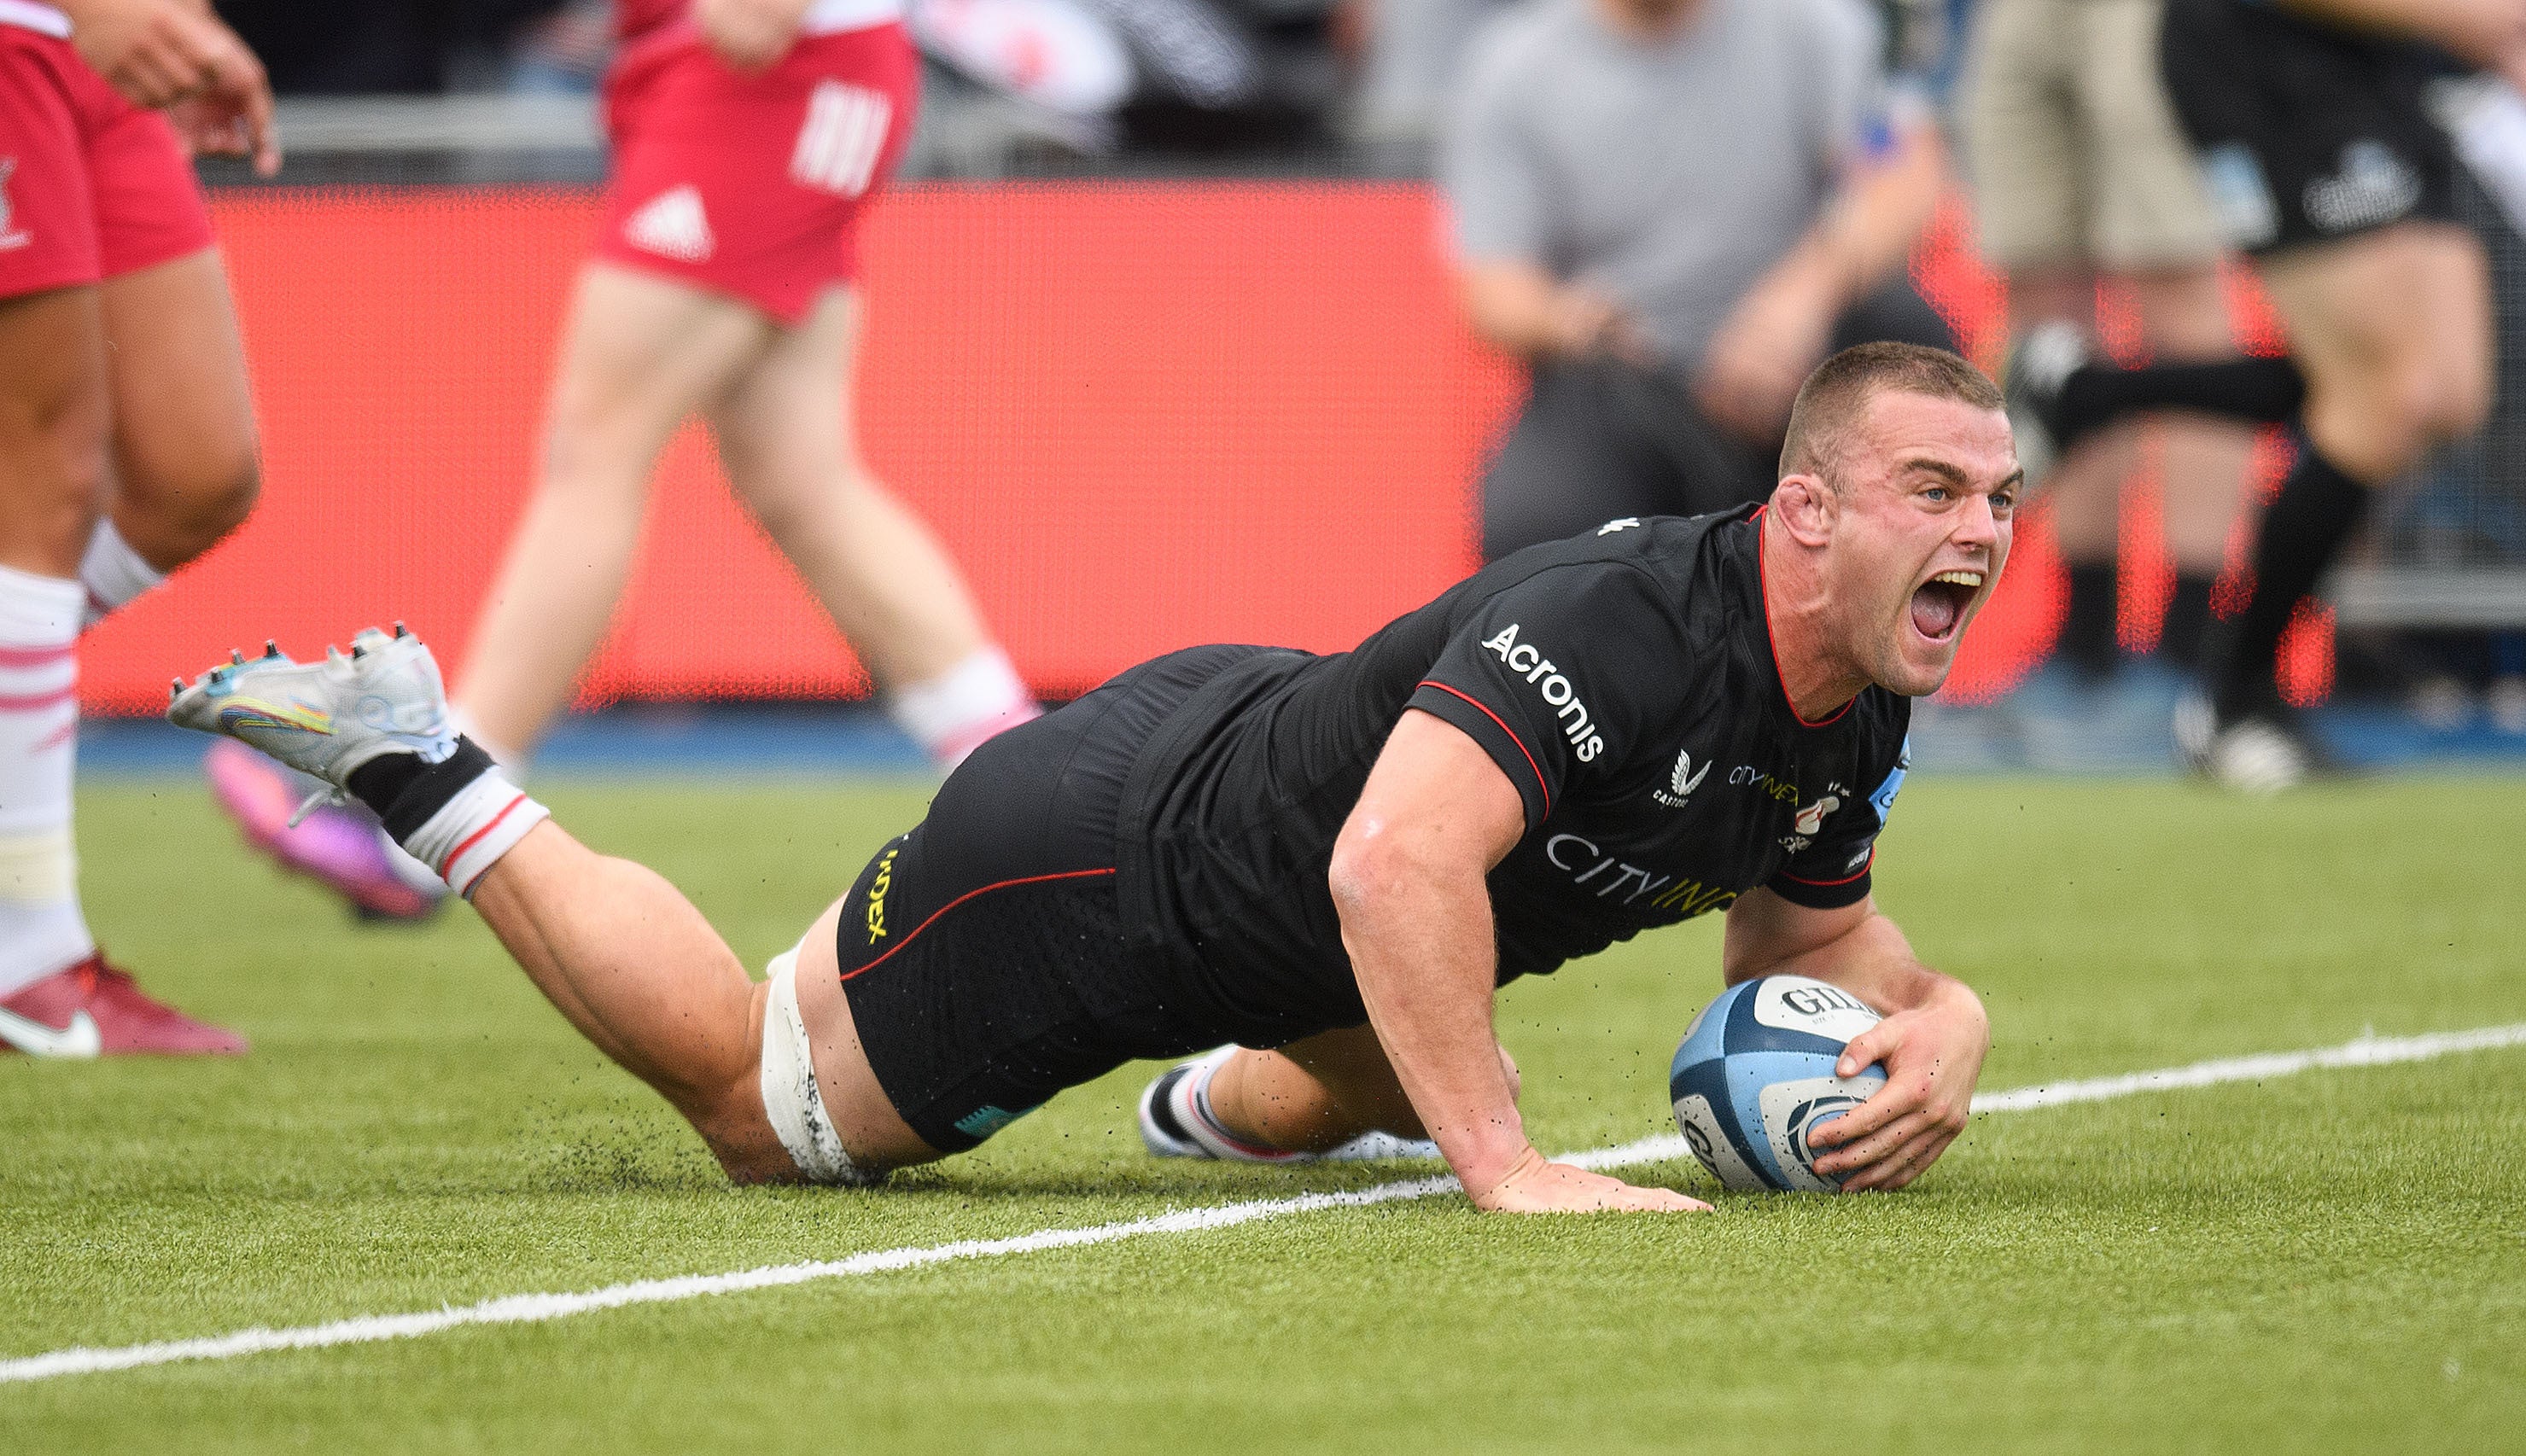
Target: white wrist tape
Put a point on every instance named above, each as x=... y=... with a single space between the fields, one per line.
x=471 y=831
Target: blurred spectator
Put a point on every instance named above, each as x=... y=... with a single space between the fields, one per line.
x=1673 y=210
x=2081 y=171
x=1412 y=53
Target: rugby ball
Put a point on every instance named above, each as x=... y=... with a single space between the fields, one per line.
x=1753 y=1080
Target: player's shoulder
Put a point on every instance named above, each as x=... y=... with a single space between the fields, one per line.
x=1658 y=560
x=1632 y=588
x=1657 y=546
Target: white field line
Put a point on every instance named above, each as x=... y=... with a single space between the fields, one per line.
x=520 y=1308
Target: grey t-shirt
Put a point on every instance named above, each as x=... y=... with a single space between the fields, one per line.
x=1668 y=176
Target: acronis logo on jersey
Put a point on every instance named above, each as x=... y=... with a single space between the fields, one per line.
x=1527 y=662
x=1884 y=800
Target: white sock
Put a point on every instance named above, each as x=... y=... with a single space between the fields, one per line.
x=470 y=833
x=112 y=574
x=41 y=928
x=952 y=714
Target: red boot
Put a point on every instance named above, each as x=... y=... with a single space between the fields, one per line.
x=94 y=1010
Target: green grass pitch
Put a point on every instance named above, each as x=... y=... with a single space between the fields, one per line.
x=2338 y=1256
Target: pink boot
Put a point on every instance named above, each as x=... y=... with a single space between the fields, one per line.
x=334 y=845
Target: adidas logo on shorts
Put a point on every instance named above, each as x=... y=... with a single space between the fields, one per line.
x=671 y=225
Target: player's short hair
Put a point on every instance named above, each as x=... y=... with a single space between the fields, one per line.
x=1842 y=386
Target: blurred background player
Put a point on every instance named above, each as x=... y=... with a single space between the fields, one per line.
x=1673 y=210
x=747 y=135
x=2082 y=177
x=2324 y=164
x=127 y=437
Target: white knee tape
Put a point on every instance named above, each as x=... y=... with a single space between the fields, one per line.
x=789 y=1092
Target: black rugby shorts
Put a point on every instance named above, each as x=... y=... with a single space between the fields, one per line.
x=2306 y=133
x=984 y=954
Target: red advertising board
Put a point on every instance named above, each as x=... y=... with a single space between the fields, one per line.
x=1142 y=415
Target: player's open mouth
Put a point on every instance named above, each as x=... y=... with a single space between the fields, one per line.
x=1939 y=606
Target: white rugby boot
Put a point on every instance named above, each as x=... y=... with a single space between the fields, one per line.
x=1176 y=1123
x=326 y=717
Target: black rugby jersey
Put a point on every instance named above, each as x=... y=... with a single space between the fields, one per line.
x=1623 y=680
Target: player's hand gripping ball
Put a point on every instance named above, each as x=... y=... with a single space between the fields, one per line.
x=1753 y=1080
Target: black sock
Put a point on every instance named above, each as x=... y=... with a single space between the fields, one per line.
x=2302 y=532
x=2088 y=623
x=2188 y=620
x=2260 y=391
x=405 y=792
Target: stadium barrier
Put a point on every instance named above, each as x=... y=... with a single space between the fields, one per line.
x=1142 y=415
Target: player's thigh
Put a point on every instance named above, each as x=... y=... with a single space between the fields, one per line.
x=2019 y=147
x=55 y=418
x=2148 y=206
x=872 y=1132
x=2399 y=320
x=640 y=353
x=783 y=427
x=183 y=421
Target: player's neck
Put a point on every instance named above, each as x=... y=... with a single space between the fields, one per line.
x=1796 y=612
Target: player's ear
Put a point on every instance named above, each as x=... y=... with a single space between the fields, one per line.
x=1807 y=506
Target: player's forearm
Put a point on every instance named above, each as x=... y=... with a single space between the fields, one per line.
x=1420 y=943
x=1871 y=960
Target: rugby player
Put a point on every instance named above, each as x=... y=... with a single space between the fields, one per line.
x=2310 y=120
x=747 y=135
x=1332 y=861
x=127 y=435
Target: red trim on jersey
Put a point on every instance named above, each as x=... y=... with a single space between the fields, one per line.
x=476 y=838
x=1830 y=884
x=961 y=899
x=1763 y=594
x=36 y=657
x=1540 y=786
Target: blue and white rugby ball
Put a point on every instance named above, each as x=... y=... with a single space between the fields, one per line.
x=1755 y=1079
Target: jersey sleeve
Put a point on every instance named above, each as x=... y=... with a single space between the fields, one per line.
x=1551 y=676
x=1833 y=870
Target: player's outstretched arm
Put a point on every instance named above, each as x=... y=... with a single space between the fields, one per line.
x=1931 y=1040
x=1407 y=878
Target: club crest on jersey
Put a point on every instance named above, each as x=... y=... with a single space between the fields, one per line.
x=11 y=235
x=1681 y=784
x=1812 y=817
x=1522 y=659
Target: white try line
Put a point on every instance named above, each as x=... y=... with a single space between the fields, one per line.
x=520 y=1308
